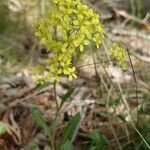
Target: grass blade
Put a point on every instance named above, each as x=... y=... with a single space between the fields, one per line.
x=39 y=119
x=70 y=128
x=65 y=97
x=67 y=146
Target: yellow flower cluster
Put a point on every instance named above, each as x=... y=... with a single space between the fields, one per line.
x=118 y=53
x=68 y=26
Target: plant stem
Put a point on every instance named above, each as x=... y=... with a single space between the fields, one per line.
x=146 y=143
x=135 y=80
x=54 y=122
x=55 y=96
x=133 y=7
x=139 y=8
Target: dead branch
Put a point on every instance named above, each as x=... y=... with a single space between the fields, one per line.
x=128 y=17
x=130 y=33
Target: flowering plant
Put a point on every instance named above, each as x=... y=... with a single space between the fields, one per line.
x=118 y=53
x=69 y=25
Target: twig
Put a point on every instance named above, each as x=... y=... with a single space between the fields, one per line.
x=124 y=14
x=142 y=58
x=92 y=64
x=130 y=33
x=20 y=99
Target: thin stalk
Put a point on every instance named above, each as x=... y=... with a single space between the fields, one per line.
x=133 y=7
x=119 y=88
x=148 y=146
x=135 y=80
x=54 y=122
x=52 y=141
x=139 y=8
x=92 y=64
x=115 y=135
x=55 y=96
x=98 y=80
x=43 y=7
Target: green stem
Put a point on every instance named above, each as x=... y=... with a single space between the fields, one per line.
x=98 y=80
x=135 y=80
x=133 y=7
x=148 y=146
x=52 y=139
x=55 y=96
x=139 y=8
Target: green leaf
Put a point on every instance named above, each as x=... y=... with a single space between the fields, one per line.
x=98 y=141
x=2 y=128
x=41 y=86
x=70 y=77
x=76 y=22
x=81 y=48
x=70 y=128
x=86 y=42
x=66 y=146
x=33 y=147
x=39 y=119
x=66 y=96
x=122 y=117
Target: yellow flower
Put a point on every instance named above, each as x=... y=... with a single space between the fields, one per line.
x=68 y=26
x=118 y=53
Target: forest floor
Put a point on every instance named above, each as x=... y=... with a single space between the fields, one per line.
x=106 y=103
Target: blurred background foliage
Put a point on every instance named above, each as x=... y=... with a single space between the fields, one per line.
x=16 y=33
x=18 y=45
